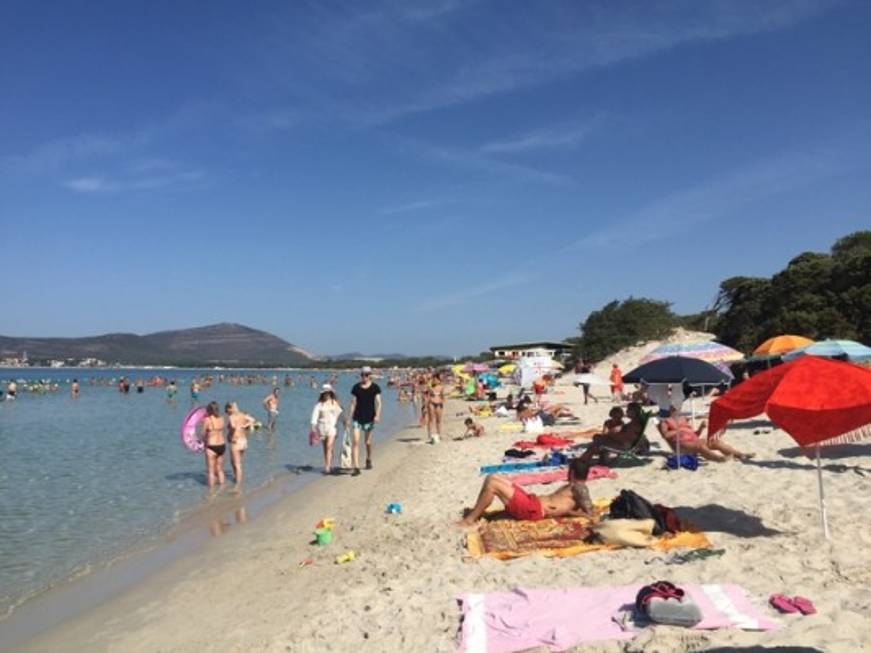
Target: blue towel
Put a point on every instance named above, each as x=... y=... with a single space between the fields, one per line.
x=687 y=461
x=516 y=467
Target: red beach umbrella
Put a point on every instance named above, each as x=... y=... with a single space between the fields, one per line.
x=813 y=399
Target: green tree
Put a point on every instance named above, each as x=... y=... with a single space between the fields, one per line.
x=622 y=324
x=816 y=295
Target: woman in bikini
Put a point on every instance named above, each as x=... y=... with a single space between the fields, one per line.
x=238 y=424
x=435 y=409
x=213 y=438
x=676 y=427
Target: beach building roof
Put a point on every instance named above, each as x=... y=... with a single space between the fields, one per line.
x=525 y=349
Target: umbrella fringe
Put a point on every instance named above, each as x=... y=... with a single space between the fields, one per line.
x=856 y=435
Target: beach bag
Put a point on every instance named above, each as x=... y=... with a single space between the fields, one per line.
x=346 y=460
x=630 y=505
x=664 y=603
x=667 y=518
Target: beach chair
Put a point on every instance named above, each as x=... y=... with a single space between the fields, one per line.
x=635 y=454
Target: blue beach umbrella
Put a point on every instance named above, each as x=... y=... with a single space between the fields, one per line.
x=846 y=349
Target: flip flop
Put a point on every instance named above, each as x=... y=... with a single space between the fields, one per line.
x=804 y=605
x=783 y=603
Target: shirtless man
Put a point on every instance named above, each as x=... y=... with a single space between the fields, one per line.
x=573 y=499
x=74 y=389
x=271 y=406
x=622 y=439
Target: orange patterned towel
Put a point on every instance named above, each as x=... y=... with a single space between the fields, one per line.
x=505 y=539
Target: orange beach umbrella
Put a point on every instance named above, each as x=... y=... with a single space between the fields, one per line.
x=780 y=345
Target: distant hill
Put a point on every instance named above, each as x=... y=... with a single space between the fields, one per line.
x=217 y=344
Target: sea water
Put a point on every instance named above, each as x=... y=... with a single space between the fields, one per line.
x=85 y=480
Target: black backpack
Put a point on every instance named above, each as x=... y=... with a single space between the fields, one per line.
x=633 y=506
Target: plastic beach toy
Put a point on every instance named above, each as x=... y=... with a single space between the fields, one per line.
x=347 y=556
x=326 y=522
x=189 y=437
x=324 y=536
x=394 y=508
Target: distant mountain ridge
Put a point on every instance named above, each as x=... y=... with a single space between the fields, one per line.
x=357 y=356
x=216 y=344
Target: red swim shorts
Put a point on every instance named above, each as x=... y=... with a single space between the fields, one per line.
x=524 y=506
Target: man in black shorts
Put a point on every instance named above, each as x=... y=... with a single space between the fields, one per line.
x=365 y=412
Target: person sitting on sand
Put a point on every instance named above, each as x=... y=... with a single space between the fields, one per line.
x=571 y=500
x=629 y=436
x=614 y=422
x=473 y=429
x=677 y=426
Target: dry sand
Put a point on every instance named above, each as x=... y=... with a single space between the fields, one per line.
x=245 y=592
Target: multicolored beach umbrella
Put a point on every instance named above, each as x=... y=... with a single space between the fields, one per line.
x=710 y=352
x=844 y=349
x=779 y=345
x=814 y=399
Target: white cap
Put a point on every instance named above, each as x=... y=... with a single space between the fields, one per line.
x=366 y=370
x=326 y=387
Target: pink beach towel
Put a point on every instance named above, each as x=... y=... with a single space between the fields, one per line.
x=559 y=476
x=504 y=622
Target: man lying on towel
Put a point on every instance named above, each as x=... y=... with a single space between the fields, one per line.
x=573 y=499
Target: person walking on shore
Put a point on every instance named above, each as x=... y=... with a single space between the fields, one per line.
x=325 y=416
x=271 y=406
x=238 y=424
x=213 y=438
x=366 y=413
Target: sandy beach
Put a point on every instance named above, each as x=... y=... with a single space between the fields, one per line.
x=246 y=591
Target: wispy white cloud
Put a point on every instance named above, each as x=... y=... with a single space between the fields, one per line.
x=353 y=59
x=719 y=198
x=53 y=155
x=141 y=182
x=472 y=292
x=562 y=136
x=474 y=160
x=418 y=205
x=275 y=120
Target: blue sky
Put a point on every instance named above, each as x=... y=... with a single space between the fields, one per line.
x=421 y=177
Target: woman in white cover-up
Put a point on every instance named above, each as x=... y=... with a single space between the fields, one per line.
x=325 y=417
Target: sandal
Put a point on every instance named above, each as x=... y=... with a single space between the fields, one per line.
x=805 y=606
x=783 y=603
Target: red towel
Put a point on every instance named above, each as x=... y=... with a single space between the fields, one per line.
x=545 y=440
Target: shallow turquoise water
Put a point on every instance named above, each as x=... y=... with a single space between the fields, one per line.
x=85 y=480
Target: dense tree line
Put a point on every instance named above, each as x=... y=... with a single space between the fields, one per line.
x=817 y=295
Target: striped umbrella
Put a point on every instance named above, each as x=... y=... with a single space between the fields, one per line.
x=710 y=352
x=850 y=349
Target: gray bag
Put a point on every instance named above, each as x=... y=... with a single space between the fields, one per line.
x=674 y=612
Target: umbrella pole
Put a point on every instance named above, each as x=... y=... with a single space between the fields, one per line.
x=823 y=515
